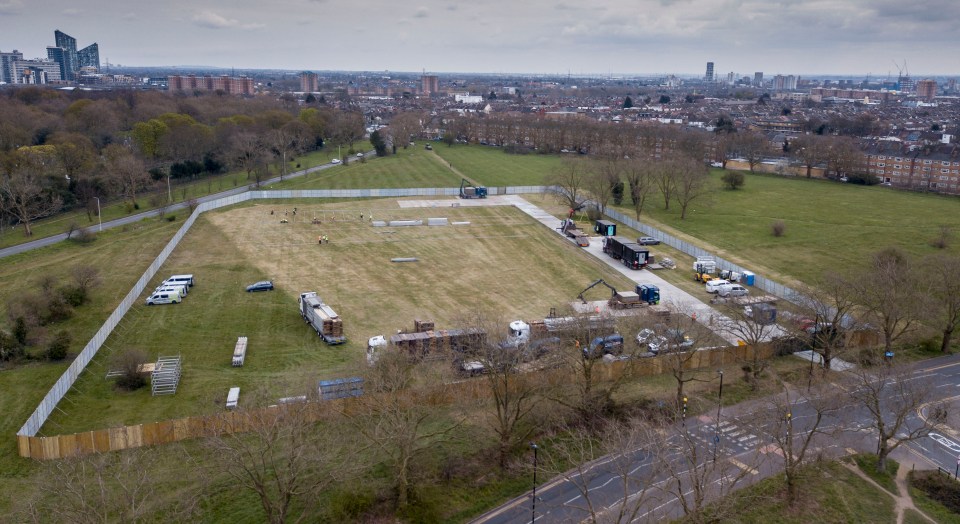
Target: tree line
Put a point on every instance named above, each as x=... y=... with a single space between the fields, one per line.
x=62 y=151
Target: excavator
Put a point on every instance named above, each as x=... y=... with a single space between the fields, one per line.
x=613 y=290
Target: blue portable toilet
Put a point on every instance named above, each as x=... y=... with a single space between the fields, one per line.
x=748 y=277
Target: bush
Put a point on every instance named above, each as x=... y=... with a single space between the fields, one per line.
x=192 y=203
x=943 y=239
x=74 y=295
x=618 y=194
x=10 y=349
x=129 y=363
x=84 y=235
x=593 y=213
x=20 y=331
x=57 y=350
x=863 y=179
x=171 y=218
x=778 y=228
x=733 y=179
x=940 y=488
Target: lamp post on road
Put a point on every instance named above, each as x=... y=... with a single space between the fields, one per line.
x=99 y=218
x=716 y=437
x=533 y=507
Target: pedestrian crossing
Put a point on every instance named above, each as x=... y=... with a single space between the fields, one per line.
x=729 y=435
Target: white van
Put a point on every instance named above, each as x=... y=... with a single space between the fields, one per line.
x=164 y=298
x=186 y=280
x=180 y=290
x=733 y=290
x=714 y=285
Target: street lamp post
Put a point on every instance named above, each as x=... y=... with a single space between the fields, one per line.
x=533 y=507
x=169 y=193
x=99 y=218
x=716 y=437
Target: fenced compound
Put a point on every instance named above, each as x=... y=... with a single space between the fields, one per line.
x=165 y=376
x=29 y=430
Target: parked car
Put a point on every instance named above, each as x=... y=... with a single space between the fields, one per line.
x=714 y=285
x=359 y=155
x=644 y=336
x=672 y=339
x=164 y=298
x=263 y=285
x=732 y=290
x=600 y=346
x=428 y=147
x=648 y=241
x=335 y=161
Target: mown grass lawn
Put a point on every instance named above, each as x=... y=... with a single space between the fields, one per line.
x=490 y=166
x=829 y=225
x=411 y=167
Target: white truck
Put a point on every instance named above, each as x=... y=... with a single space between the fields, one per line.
x=322 y=318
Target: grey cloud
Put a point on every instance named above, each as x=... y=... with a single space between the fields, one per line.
x=10 y=7
x=421 y=12
x=212 y=20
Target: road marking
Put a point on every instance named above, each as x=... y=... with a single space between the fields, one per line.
x=947 y=386
x=571 y=500
x=851 y=451
x=938 y=367
x=743 y=466
x=748 y=437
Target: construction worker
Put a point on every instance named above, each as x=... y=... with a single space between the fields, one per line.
x=320 y=239
x=325 y=239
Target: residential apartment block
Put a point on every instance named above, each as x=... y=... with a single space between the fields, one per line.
x=927 y=168
x=230 y=85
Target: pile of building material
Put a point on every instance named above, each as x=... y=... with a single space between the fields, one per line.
x=166 y=376
x=436 y=221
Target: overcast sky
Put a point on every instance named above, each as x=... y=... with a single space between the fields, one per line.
x=852 y=37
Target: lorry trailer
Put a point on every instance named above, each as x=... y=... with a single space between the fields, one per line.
x=323 y=319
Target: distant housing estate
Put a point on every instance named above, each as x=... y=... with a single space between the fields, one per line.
x=231 y=85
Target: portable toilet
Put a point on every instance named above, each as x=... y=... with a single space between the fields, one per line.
x=605 y=228
x=748 y=278
x=649 y=293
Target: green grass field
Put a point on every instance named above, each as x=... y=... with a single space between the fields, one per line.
x=490 y=166
x=828 y=225
x=411 y=167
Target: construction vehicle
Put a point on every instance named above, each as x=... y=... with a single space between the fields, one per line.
x=703 y=267
x=618 y=299
x=649 y=293
x=322 y=318
x=631 y=254
x=468 y=190
x=569 y=228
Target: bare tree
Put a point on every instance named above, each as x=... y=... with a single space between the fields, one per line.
x=126 y=171
x=752 y=147
x=25 y=189
x=810 y=150
x=287 y=140
x=691 y=179
x=569 y=183
x=396 y=418
x=282 y=455
x=120 y=486
x=697 y=476
x=748 y=325
x=795 y=420
x=640 y=179
x=629 y=462
x=843 y=156
x=893 y=396
x=603 y=176
x=248 y=151
x=891 y=292
x=664 y=178
x=830 y=303
x=944 y=294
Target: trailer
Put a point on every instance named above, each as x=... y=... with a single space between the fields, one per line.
x=605 y=228
x=425 y=341
x=323 y=319
x=635 y=256
x=569 y=228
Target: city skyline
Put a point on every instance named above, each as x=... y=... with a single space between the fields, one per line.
x=802 y=37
